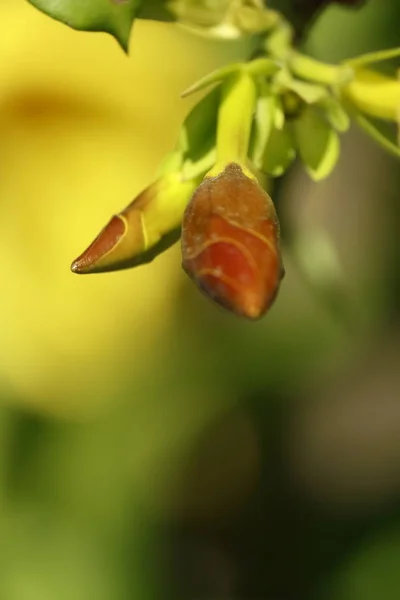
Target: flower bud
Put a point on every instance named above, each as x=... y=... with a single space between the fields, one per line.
x=230 y=243
x=374 y=94
x=149 y=225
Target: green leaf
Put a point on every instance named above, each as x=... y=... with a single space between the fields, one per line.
x=308 y=92
x=196 y=140
x=201 y=123
x=256 y=67
x=111 y=16
x=214 y=77
x=279 y=152
x=317 y=142
x=335 y=113
x=198 y=135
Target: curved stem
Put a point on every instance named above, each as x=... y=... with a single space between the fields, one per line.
x=314 y=70
x=373 y=57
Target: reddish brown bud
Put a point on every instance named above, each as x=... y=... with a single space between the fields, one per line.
x=230 y=243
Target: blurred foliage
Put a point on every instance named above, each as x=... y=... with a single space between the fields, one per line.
x=115 y=17
x=150 y=445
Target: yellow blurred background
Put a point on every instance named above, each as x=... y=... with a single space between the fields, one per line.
x=84 y=128
x=152 y=446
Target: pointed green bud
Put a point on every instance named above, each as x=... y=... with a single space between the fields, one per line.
x=149 y=225
x=235 y=118
x=373 y=94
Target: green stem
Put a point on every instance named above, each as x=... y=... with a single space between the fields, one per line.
x=373 y=57
x=235 y=116
x=376 y=135
x=310 y=69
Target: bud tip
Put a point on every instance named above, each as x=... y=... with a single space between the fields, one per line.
x=92 y=259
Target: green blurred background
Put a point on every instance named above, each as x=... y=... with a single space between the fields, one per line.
x=152 y=446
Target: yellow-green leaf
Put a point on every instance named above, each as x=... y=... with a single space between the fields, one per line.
x=335 y=113
x=308 y=92
x=214 y=77
x=317 y=142
x=200 y=124
x=279 y=152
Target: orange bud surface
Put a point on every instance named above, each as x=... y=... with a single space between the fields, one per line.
x=230 y=243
